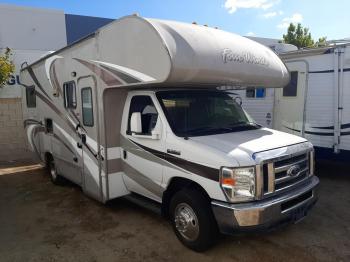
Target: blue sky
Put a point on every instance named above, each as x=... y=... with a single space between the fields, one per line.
x=264 y=18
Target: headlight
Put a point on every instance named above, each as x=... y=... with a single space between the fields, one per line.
x=238 y=183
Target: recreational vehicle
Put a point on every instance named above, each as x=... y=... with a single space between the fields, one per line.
x=134 y=110
x=313 y=105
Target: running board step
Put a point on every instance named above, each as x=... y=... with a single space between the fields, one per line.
x=144 y=202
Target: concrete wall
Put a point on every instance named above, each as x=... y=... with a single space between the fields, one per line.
x=12 y=139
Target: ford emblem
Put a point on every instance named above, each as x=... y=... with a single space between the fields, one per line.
x=293 y=171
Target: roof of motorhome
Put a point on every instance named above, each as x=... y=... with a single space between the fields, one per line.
x=311 y=51
x=189 y=53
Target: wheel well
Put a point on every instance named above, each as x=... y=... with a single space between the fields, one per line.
x=48 y=158
x=176 y=184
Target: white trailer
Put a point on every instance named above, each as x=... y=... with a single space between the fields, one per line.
x=314 y=104
x=133 y=110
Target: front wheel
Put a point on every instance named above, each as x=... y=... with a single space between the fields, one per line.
x=193 y=220
x=55 y=177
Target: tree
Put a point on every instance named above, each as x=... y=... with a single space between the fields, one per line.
x=298 y=36
x=322 y=41
x=6 y=67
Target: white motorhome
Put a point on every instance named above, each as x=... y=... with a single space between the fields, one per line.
x=134 y=110
x=313 y=105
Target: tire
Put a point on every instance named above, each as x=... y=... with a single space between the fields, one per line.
x=55 y=177
x=193 y=220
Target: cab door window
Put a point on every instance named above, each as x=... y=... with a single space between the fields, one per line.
x=149 y=114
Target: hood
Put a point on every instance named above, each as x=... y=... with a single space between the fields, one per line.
x=250 y=142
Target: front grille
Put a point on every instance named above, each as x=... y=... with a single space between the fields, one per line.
x=284 y=173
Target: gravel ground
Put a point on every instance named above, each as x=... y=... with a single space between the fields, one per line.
x=43 y=222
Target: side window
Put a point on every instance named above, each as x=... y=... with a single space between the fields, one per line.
x=291 y=88
x=48 y=125
x=250 y=92
x=30 y=96
x=149 y=114
x=255 y=92
x=87 y=106
x=69 y=94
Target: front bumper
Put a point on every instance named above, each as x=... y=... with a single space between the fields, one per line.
x=285 y=208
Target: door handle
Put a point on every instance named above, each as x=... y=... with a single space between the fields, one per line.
x=173 y=152
x=125 y=155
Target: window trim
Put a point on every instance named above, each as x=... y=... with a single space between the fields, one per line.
x=92 y=106
x=47 y=129
x=128 y=131
x=27 y=101
x=65 y=97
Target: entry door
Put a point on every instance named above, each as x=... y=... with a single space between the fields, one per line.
x=88 y=130
x=290 y=101
x=142 y=158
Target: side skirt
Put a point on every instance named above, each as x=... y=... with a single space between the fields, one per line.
x=145 y=203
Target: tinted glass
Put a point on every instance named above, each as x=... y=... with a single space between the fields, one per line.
x=149 y=114
x=291 y=88
x=30 y=96
x=87 y=107
x=195 y=113
x=70 y=99
x=250 y=92
x=260 y=92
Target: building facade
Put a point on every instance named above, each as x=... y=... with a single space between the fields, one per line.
x=31 y=33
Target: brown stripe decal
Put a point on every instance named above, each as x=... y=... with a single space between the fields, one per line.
x=56 y=86
x=126 y=78
x=64 y=143
x=55 y=109
x=142 y=180
x=36 y=81
x=198 y=169
x=106 y=77
x=39 y=128
x=114 y=165
x=53 y=76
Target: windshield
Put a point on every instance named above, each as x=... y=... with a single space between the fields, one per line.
x=204 y=112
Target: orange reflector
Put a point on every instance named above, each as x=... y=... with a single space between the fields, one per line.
x=228 y=181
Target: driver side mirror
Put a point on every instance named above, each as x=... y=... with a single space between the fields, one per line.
x=136 y=123
x=238 y=100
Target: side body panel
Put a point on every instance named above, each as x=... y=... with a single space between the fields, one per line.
x=259 y=108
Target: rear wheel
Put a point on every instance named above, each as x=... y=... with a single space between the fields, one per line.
x=193 y=220
x=55 y=177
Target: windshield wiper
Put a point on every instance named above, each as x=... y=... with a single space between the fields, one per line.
x=208 y=128
x=243 y=123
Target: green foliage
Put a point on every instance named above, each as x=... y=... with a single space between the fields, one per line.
x=6 y=67
x=298 y=36
x=322 y=41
